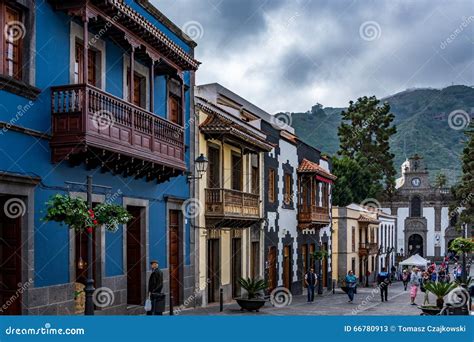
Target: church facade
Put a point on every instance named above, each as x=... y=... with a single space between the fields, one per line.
x=423 y=222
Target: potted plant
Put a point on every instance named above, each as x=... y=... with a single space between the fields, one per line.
x=440 y=290
x=74 y=213
x=253 y=300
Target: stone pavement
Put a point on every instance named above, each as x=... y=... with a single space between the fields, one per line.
x=366 y=302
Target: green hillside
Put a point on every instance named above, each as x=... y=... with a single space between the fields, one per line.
x=421 y=116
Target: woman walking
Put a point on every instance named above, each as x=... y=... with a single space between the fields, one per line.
x=405 y=278
x=351 y=283
x=424 y=281
x=415 y=280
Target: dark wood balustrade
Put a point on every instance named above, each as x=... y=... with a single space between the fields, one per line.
x=228 y=203
x=84 y=116
x=313 y=214
x=367 y=248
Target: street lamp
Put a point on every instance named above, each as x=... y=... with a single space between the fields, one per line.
x=201 y=164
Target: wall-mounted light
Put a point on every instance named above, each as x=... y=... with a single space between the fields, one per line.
x=201 y=164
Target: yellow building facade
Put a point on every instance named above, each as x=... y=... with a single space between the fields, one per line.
x=229 y=234
x=355 y=242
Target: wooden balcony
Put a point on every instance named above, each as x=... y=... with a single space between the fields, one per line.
x=101 y=130
x=231 y=208
x=367 y=248
x=311 y=215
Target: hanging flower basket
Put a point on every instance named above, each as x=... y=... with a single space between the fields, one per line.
x=74 y=213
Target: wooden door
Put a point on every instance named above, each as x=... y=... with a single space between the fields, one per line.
x=10 y=261
x=236 y=266
x=304 y=262
x=236 y=172
x=134 y=257
x=213 y=270
x=324 y=266
x=255 y=259
x=175 y=114
x=175 y=256
x=139 y=85
x=272 y=268
x=93 y=57
x=287 y=267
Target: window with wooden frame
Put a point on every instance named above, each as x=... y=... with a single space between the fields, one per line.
x=175 y=107
x=237 y=172
x=93 y=65
x=139 y=89
x=288 y=189
x=213 y=169
x=324 y=193
x=255 y=173
x=271 y=185
x=11 y=40
x=353 y=239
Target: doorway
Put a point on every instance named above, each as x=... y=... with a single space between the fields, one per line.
x=255 y=260
x=175 y=256
x=213 y=267
x=10 y=258
x=134 y=256
x=272 y=270
x=236 y=266
x=415 y=244
x=287 y=267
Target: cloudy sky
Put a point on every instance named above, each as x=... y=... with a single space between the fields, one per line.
x=286 y=55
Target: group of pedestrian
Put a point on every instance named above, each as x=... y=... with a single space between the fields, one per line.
x=384 y=280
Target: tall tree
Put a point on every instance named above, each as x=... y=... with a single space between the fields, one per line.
x=441 y=180
x=463 y=192
x=364 y=135
x=351 y=183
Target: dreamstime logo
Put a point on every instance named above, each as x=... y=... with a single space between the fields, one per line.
x=456 y=32
x=103 y=297
x=191 y=208
x=457 y=297
x=370 y=30
x=14 y=208
x=371 y=204
x=458 y=119
x=102 y=119
x=281 y=120
x=14 y=31
x=281 y=297
x=193 y=29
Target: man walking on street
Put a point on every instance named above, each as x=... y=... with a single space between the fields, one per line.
x=155 y=286
x=383 y=281
x=311 y=279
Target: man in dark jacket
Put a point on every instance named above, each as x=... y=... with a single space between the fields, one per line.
x=155 y=286
x=383 y=280
x=311 y=279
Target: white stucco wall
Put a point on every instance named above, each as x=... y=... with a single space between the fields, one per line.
x=402 y=214
x=429 y=214
x=288 y=217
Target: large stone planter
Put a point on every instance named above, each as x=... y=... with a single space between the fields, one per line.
x=254 y=304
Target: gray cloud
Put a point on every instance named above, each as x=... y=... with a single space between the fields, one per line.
x=288 y=55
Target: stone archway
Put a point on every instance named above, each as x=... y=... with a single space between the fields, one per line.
x=416 y=245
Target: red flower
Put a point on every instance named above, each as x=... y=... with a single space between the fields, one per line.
x=91 y=213
x=95 y=222
x=89 y=230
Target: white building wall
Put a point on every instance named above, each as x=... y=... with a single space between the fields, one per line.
x=429 y=214
x=288 y=217
x=402 y=214
x=444 y=226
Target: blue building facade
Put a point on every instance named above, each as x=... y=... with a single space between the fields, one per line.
x=100 y=88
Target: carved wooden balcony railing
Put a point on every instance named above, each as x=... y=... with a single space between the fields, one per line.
x=232 y=204
x=92 y=126
x=367 y=248
x=313 y=214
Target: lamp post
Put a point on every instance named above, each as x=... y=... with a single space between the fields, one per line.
x=201 y=164
x=89 y=290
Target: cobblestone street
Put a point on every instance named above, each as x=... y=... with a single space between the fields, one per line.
x=366 y=302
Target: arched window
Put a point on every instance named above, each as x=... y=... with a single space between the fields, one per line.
x=416 y=206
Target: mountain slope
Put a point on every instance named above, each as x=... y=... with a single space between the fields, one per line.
x=421 y=116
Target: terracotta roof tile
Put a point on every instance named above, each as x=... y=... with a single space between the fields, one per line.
x=309 y=166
